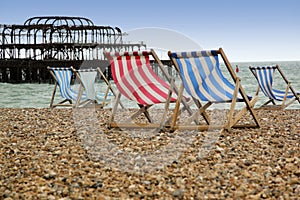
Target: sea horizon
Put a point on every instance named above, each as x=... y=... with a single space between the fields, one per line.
x=38 y=95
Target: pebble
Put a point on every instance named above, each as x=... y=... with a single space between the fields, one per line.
x=53 y=154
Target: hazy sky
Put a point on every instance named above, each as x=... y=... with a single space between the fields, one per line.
x=247 y=30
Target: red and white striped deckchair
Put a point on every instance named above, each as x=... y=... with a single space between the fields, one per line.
x=135 y=79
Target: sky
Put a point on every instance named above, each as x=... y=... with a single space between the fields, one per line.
x=247 y=30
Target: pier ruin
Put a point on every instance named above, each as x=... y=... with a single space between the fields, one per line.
x=26 y=50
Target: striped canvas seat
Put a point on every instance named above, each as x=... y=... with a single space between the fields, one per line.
x=203 y=79
x=87 y=88
x=62 y=77
x=265 y=78
x=135 y=79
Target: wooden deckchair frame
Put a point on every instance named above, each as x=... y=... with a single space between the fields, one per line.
x=80 y=103
x=232 y=118
x=109 y=86
x=145 y=109
x=284 y=103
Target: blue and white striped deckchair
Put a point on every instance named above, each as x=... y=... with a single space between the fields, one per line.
x=87 y=88
x=62 y=77
x=203 y=79
x=265 y=77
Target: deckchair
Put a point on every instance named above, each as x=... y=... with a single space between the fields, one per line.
x=204 y=81
x=62 y=78
x=87 y=89
x=136 y=80
x=265 y=77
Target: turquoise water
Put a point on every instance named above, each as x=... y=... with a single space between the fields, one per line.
x=39 y=95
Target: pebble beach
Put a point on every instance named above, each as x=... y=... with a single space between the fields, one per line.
x=44 y=154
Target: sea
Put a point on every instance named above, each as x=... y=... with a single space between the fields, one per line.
x=34 y=95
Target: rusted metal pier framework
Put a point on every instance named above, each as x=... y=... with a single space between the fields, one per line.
x=26 y=50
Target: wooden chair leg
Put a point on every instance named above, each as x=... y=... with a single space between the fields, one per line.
x=230 y=122
x=114 y=109
x=167 y=104
x=176 y=109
